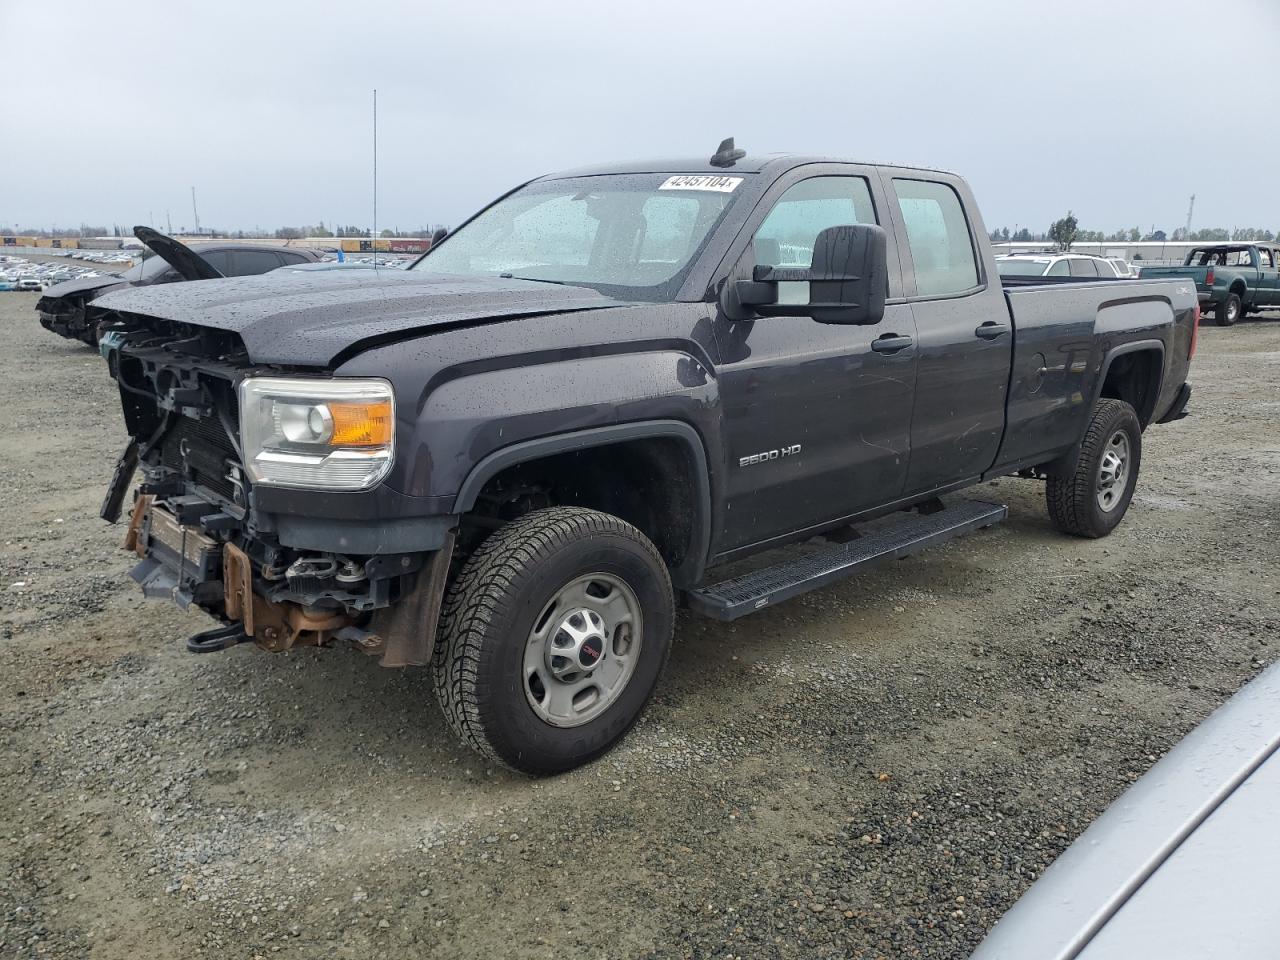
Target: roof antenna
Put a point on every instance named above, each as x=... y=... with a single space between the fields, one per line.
x=726 y=155
x=374 y=231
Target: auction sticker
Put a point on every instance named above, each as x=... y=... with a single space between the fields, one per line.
x=702 y=182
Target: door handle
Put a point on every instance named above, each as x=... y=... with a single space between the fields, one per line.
x=991 y=330
x=890 y=343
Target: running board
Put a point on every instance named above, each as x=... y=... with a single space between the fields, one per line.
x=913 y=532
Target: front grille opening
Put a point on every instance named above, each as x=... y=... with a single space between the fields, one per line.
x=208 y=453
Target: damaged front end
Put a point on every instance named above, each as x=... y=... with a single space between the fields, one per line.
x=66 y=316
x=210 y=521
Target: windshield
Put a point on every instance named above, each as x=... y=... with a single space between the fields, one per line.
x=632 y=235
x=150 y=268
x=1021 y=268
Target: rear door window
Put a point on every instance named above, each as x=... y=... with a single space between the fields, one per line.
x=938 y=234
x=251 y=262
x=1061 y=268
x=1084 y=268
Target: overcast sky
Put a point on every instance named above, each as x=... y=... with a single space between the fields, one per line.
x=1117 y=110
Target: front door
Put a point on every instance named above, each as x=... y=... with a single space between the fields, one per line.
x=964 y=337
x=816 y=416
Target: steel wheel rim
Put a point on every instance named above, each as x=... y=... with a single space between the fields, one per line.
x=582 y=650
x=1233 y=309
x=1113 y=471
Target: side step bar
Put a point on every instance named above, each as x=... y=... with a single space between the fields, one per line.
x=913 y=532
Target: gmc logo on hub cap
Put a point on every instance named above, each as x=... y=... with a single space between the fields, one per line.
x=589 y=654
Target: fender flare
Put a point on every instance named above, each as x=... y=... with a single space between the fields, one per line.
x=690 y=570
x=1135 y=346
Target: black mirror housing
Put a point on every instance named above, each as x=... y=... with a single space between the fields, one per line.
x=848 y=279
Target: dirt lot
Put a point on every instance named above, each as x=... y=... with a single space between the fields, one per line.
x=878 y=769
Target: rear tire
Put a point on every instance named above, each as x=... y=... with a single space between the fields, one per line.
x=1092 y=500
x=1228 y=311
x=552 y=638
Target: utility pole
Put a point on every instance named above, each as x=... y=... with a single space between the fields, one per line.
x=375 y=178
x=168 y=222
x=1190 y=210
x=194 y=212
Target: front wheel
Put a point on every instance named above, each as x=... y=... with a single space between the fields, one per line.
x=1092 y=500
x=1228 y=311
x=552 y=638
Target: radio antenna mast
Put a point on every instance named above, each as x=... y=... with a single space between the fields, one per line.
x=194 y=212
x=375 y=177
x=1190 y=210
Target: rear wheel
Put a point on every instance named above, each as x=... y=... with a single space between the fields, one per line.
x=1092 y=500
x=1228 y=311
x=552 y=639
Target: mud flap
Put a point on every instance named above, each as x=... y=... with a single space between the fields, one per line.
x=408 y=629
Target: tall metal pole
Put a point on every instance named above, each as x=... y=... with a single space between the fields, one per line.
x=375 y=177
x=194 y=212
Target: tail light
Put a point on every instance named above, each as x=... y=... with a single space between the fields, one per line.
x=1208 y=277
x=1195 y=331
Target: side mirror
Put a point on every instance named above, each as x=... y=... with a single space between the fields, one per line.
x=438 y=235
x=847 y=280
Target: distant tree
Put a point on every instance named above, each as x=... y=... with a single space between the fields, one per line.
x=1022 y=236
x=1135 y=234
x=1156 y=236
x=1064 y=232
x=289 y=233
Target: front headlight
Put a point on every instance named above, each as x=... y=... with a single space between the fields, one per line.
x=327 y=434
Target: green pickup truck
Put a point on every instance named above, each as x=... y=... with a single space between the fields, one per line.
x=1236 y=278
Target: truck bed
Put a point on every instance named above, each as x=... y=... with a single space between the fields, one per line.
x=1060 y=325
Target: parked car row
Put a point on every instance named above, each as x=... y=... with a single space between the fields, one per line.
x=18 y=273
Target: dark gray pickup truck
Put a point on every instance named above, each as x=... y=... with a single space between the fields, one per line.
x=610 y=391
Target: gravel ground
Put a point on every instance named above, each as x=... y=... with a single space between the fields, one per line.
x=875 y=770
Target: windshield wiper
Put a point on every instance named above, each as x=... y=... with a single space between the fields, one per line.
x=559 y=283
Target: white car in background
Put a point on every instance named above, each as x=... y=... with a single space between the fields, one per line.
x=1057 y=265
x=1123 y=268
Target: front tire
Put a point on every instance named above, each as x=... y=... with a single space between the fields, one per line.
x=552 y=638
x=1228 y=311
x=1092 y=500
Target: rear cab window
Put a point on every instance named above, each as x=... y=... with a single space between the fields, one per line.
x=942 y=251
x=1061 y=268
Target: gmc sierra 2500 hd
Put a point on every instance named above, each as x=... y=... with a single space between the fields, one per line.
x=511 y=460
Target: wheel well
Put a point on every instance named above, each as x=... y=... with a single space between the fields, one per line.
x=1238 y=288
x=1135 y=378
x=648 y=482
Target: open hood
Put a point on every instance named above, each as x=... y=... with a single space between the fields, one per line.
x=309 y=318
x=189 y=264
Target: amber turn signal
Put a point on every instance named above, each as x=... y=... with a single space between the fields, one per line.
x=361 y=424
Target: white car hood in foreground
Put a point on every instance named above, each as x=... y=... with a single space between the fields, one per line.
x=1184 y=866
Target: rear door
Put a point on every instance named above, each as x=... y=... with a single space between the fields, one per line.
x=816 y=416
x=964 y=335
x=1268 y=287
